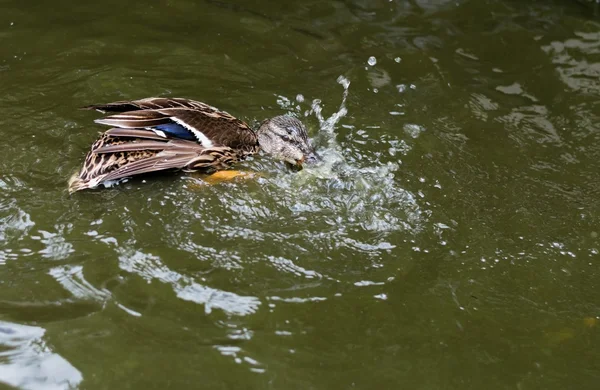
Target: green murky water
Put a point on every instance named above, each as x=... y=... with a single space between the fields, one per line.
x=450 y=241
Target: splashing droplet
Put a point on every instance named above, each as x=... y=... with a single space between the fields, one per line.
x=327 y=125
x=413 y=130
x=372 y=61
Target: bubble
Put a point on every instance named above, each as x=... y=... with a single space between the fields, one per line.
x=372 y=61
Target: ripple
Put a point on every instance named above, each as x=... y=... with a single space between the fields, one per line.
x=297 y=299
x=151 y=267
x=572 y=55
x=286 y=265
x=72 y=279
x=14 y=221
x=56 y=246
x=237 y=354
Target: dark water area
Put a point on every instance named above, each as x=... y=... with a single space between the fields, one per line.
x=448 y=241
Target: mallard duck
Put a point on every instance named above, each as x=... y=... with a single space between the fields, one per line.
x=156 y=134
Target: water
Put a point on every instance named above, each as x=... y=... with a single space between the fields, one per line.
x=449 y=239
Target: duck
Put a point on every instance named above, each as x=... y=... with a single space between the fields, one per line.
x=163 y=134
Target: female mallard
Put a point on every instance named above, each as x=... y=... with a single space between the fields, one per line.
x=156 y=134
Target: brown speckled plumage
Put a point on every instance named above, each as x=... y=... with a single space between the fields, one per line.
x=156 y=134
x=133 y=147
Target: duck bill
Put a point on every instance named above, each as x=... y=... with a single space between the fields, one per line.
x=307 y=159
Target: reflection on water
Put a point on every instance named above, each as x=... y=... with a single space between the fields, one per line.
x=27 y=362
x=574 y=66
x=150 y=267
x=71 y=278
x=238 y=358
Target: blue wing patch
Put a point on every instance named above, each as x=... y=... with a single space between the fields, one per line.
x=176 y=130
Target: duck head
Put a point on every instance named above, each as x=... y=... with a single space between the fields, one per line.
x=285 y=138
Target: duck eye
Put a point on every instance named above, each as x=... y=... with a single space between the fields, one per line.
x=286 y=138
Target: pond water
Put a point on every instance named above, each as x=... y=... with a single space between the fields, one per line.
x=449 y=240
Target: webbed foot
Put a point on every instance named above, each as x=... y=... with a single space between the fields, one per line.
x=229 y=175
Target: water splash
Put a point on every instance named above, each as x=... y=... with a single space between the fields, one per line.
x=366 y=194
x=327 y=125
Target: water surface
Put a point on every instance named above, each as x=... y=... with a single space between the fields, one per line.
x=449 y=240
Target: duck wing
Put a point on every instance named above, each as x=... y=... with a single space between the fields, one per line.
x=121 y=153
x=181 y=118
x=152 y=103
x=173 y=157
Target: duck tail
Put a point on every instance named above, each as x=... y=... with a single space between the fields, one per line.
x=77 y=184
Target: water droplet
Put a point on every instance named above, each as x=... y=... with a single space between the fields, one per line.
x=398 y=59
x=372 y=61
x=344 y=82
x=413 y=130
x=299 y=98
